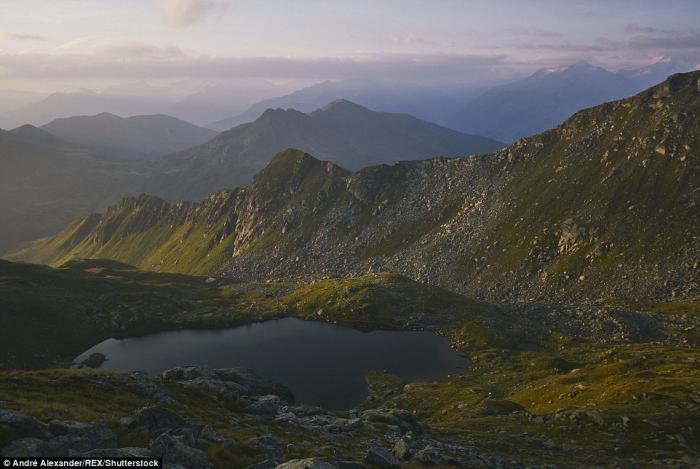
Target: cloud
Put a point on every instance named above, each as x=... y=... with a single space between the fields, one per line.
x=139 y=51
x=23 y=37
x=140 y=61
x=534 y=32
x=636 y=28
x=183 y=13
x=669 y=41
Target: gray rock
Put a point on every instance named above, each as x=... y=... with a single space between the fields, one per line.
x=309 y=463
x=71 y=438
x=350 y=465
x=229 y=382
x=201 y=435
x=118 y=453
x=381 y=457
x=158 y=419
x=306 y=410
x=265 y=405
x=341 y=425
x=143 y=385
x=428 y=456
x=396 y=417
x=266 y=464
x=268 y=443
x=287 y=417
x=208 y=434
x=401 y=450
x=379 y=416
x=23 y=424
x=175 y=452
x=95 y=360
x=24 y=448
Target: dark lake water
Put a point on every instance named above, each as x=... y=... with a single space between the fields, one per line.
x=321 y=363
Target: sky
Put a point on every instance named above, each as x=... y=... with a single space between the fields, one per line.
x=72 y=44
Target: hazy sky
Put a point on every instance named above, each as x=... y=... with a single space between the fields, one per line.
x=92 y=43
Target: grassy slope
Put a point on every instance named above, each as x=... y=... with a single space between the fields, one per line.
x=55 y=313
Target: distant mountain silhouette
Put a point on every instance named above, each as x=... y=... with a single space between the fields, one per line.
x=129 y=138
x=549 y=96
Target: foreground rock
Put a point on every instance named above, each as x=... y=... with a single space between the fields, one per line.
x=174 y=451
x=58 y=438
x=229 y=383
x=382 y=457
x=310 y=463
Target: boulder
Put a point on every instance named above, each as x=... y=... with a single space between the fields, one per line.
x=268 y=444
x=396 y=417
x=143 y=385
x=129 y=452
x=266 y=464
x=350 y=465
x=341 y=425
x=381 y=457
x=429 y=456
x=157 y=419
x=24 y=448
x=22 y=424
x=95 y=360
x=310 y=463
x=401 y=450
x=72 y=438
x=229 y=382
x=264 y=405
x=175 y=452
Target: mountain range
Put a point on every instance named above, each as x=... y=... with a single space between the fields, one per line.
x=48 y=181
x=504 y=112
x=342 y=132
x=187 y=101
x=135 y=137
x=522 y=108
x=602 y=207
x=429 y=103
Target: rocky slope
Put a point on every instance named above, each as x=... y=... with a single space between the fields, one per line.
x=47 y=182
x=603 y=207
x=342 y=132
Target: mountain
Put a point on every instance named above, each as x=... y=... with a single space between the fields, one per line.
x=549 y=96
x=46 y=182
x=49 y=181
x=80 y=103
x=186 y=100
x=600 y=208
x=425 y=102
x=27 y=133
x=129 y=138
x=343 y=132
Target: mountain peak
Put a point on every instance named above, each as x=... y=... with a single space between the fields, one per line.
x=37 y=135
x=107 y=115
x=288 y=167
x=342 y=105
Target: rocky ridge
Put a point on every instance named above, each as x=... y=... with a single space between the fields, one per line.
x=599 y=209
